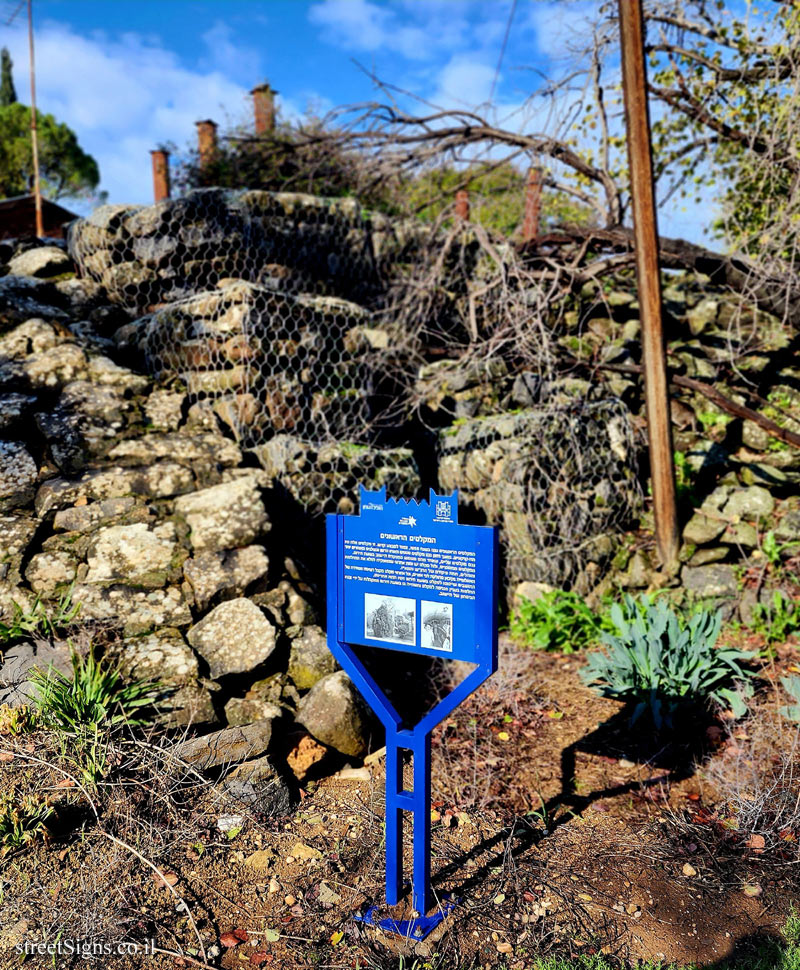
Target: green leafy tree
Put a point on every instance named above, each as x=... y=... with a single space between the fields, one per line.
x=65 y=169
x=729 y=86
x=496 y=194
x=8 y=94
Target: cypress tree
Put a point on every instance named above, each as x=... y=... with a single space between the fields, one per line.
x=8 y=94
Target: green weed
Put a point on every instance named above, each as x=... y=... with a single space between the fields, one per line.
x=557 y=620
x=38 y=620
x=792 y=687
x=684 y=478
x=713 y=420
x=776 y=621
x=662 y=660
x=21 y=819
x=86 y=708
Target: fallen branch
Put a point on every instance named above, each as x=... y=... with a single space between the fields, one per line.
x=722 y=402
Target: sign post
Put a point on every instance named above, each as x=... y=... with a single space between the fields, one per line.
x=406 y=576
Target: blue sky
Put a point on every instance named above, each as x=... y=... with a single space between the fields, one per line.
x=127 y=75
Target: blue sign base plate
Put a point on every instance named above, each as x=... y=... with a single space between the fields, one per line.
x=410 y=929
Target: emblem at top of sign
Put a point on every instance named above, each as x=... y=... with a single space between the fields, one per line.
x=441 y=509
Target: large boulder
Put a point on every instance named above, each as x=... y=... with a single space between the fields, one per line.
x=334 y=713
x=136 y=555
x=18 y=474
x=224 y=516
x=310 y=659
x=233 y=638
x=43 y=261
x=229 y=746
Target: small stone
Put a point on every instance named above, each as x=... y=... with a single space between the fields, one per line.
x=244 y=710
x=305 y=852
x=689 y=870
x=756 y=842
x=261 y=859
x=47 y=571
x=258 y=785
x=274 y=886
x=701 y=529
x=164 y=409
x=710 y=581
x=229 y=823
x=788 y=529
x=289 y=900
x=306 y=753
x=328 y=896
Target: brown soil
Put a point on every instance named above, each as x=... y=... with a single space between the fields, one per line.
x=590 y=862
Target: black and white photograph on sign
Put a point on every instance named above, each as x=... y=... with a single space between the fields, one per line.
x=390 y=618
x=437 y=626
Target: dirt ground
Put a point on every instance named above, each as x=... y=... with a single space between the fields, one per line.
x=556 y=827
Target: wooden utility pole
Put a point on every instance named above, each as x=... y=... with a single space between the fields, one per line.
x=37 y=191
x=645 y=231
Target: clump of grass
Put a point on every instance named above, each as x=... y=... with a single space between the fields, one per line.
x=661 y=660
x=86 y=709
x=38 y=619
x=22 y=818
x=95 y=696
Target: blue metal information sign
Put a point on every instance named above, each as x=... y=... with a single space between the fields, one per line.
x=406 y=576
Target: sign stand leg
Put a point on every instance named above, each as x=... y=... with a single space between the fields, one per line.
x=417 y=802
x=422 y=823
x=394 y=821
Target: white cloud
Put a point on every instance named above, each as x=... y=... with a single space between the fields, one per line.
x=418 y=31
x=464 y=81
x=364 y=26
x=224 y=53
x=123 y=97
x=562 y=27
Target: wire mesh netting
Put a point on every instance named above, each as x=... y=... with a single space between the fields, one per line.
x=340 y=347
x=559 y=482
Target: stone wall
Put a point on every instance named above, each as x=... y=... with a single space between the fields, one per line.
x=130 y=498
